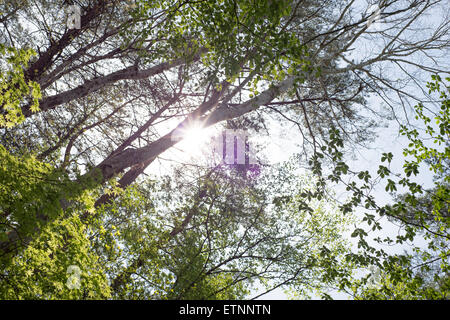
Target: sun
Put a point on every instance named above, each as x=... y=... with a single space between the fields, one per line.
x=194 y=138
x=193 y=131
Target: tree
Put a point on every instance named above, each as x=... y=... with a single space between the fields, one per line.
x=423 y=274
x=233 y=237
x=115 y=90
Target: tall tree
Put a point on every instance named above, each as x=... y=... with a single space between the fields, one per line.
x=113 y=91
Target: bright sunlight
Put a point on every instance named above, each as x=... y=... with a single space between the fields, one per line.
x=195 y=139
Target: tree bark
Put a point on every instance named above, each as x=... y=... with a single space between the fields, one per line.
x=37 y=68
x=130 y=73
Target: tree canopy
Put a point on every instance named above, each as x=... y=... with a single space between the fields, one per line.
x=93 y=204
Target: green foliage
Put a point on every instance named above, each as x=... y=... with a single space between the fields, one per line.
x=41 y=238
x=229 y=34
x=15 y=90
x=419 y=211
x=42 y=270
x=31 y=194
x=408 y=287
x=41 y=232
